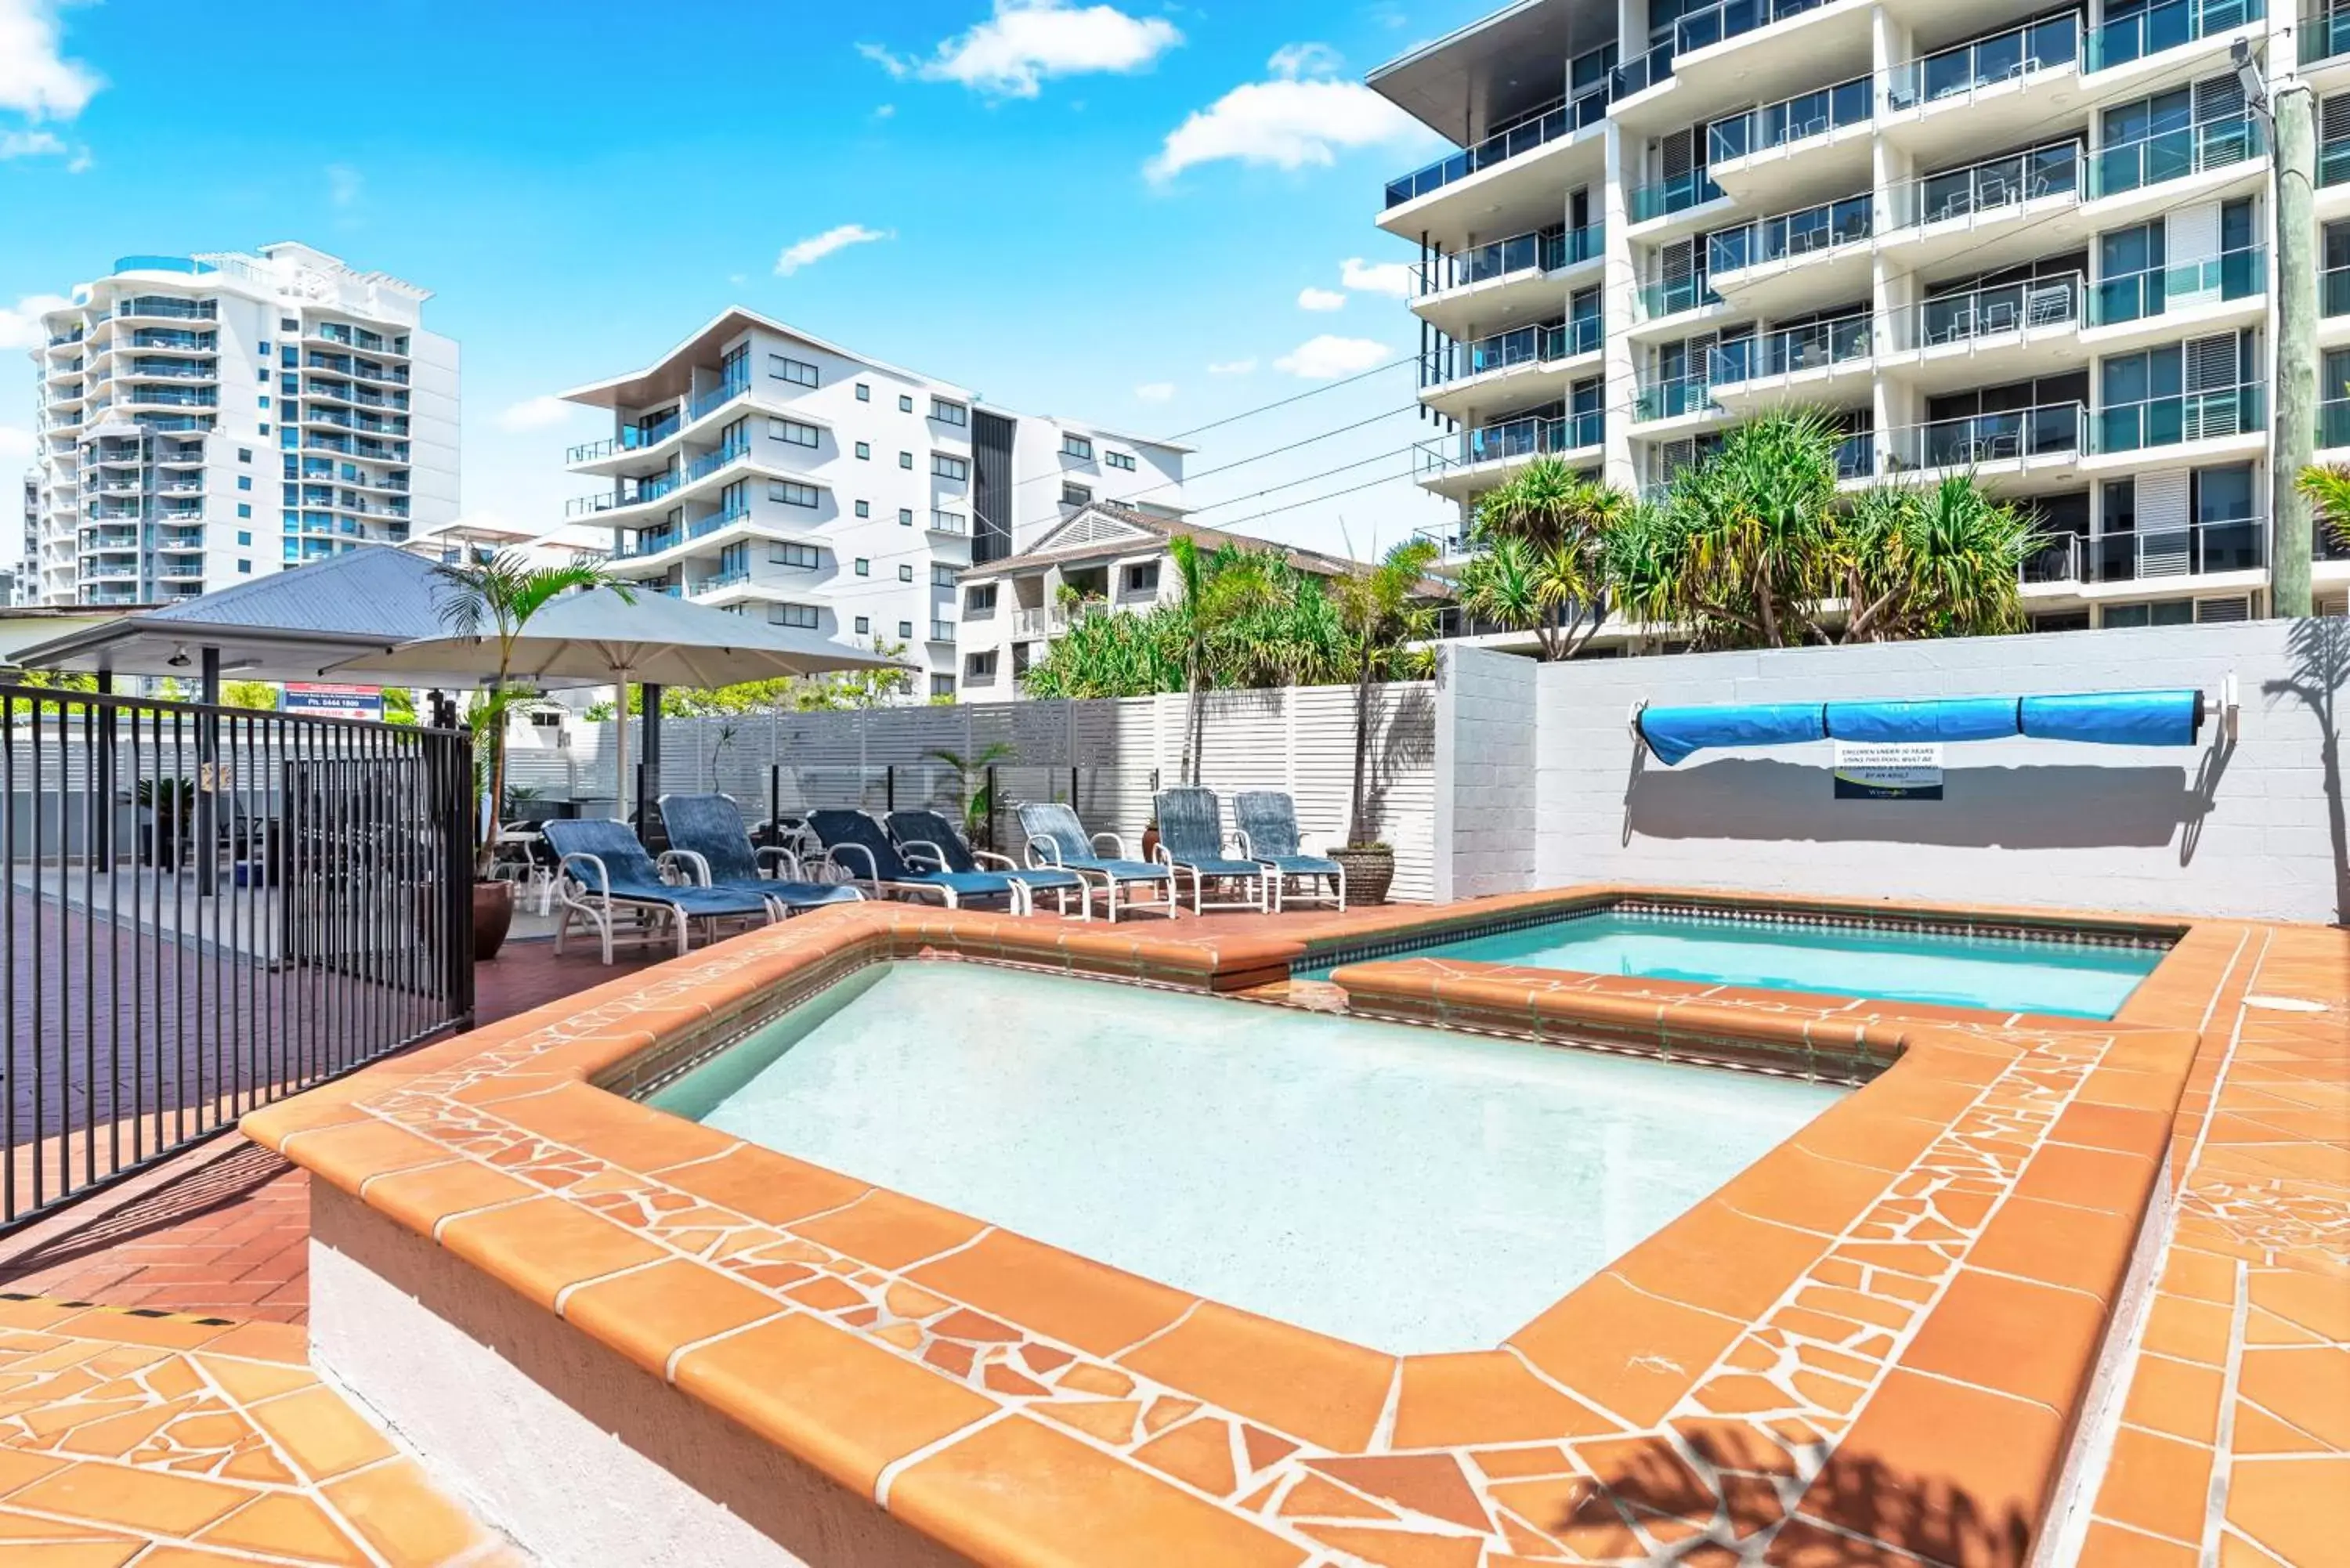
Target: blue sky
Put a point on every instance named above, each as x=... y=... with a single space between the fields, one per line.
x=1118 y=212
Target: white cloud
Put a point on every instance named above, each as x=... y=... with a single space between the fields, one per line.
x=1025 y=41
x=535 y=414
x=16 y=448
x=1328 y=358
x=36 y=79
x=1376 y=277
x=1298 y=118
x=1155 y=391
x=345 y=185
x=884 y=111
x=1232 y=368
x=1320 y=299
x=20 y=326
x=816 y=247
x=29 y=144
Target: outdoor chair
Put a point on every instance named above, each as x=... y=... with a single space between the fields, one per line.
x=705 y=831
x=1056 y=838
x=606 y=873
x=1192 y=839
x=852 y=839
x=930 y=841
x=1267 y=823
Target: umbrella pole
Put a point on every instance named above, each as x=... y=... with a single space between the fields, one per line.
x=620 y=746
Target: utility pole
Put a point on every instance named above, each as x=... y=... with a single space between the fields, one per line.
x=2290 y=111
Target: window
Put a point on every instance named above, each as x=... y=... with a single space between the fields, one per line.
x=791 y=495
x=979 y=666
x=905 y=518
x=794 y=432
x=864 y=625
x=947 y=414
x=1077 y=446
x=906 y=630
x=245 y=454
x=948 y=523
x=864 y=509
x=244 y=482
x=947 y=467
x=245 y=536
x=1119 y=460
x=978 y=599
x=2174 y=612
x=803 y=556
x=244 y=509
x=289 y=385
x=941 y=575
x=905 y=404
x=941 y=685
x=798 y=372
x=905 y=574
x=287 y=358
x=1140 y=578
x=801 y=615
x=1076 y=495
x=864 y=393
x=864 y=451
x=262 y=376
x=287 y=323
x=864 y=567
x=290 y=412
x=246 y=567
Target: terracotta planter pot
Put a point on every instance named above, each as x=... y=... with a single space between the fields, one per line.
x=493 y=916
x=1370 y=870
x=1149 y=843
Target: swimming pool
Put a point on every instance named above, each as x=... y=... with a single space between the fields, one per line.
x=1409 y=1190
x=2003 y=973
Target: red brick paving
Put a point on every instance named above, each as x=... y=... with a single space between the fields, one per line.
x=225 y=1228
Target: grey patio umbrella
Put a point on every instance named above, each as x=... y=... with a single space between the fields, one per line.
x=598 y=639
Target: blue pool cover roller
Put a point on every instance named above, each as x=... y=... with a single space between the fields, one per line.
x=2100 y=718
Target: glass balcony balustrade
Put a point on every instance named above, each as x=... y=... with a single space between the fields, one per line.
x=1812 y=346
x=1671 y=399
x=2045 y=45
x=1691 y=188
x=717 y=396
x=2167 y=27
x=2334 y=423
x=1822 y=226
x=2133 y=297
x=1503 y=350
x=2323 y=35
x=1991 y=186
x=2127 y=166
x=2223 y=545
x=2180 y=417
x=1560 y=118
x=1535 y=250
x=1518 y=438
x=1796 y=119
x=2052 y=429
x=1995 y=309
x=2334 y=161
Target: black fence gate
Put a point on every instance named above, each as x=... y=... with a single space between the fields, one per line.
x=207 y=909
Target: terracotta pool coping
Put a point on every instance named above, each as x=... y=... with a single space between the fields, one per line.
x=1882 y=1333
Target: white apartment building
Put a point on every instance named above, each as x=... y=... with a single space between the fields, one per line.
x=758 y=469
x=206 y=419
x=2024 y=239
x=1117 y=556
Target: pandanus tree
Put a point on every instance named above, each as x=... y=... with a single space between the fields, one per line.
x=495 y=599
x=1541 y=562
x=1386 y=613
x=1222 y=588
x=2327 y=485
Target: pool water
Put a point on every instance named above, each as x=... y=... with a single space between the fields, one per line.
x=2003 y=974
x=1404 y=1189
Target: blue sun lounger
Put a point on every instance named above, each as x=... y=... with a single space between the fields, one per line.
x=860 y=849
x=1192 y=839
x=1056 y=838
x=929 y=842
x=1267 y=820
x=707 y=832
x=606 y=873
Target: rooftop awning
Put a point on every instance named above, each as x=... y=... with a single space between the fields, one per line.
x=2171 y=718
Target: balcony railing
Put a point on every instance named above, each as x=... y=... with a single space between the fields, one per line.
x=1991 y=186
x=711 y=584
x=1671 y=399
x=1813 y=346
x=2231 y=275
x=942 y=631
x=717 y=398
x=2334 y=423
x=1729 y=19
x=1855 y=455
x=1519 y=437
x=2040 y=45
x=2165 y=26
x=1561 y=117
x=632 y=437
x=1040 y=622
x=2048 y=430
x=2333 y=162
x=2181 y=417
x=1796 y=119
x=2231 y=544
x=1690 y=188
x=1823 y=226
x=2323 y=35
x=1995 y=309
x=1545 y=251
x=710 y=462
x=1523 y=346
x=175 y=397
x=2175 y=155
x=177 y=309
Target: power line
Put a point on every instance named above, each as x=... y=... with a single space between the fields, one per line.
x=1298 y=397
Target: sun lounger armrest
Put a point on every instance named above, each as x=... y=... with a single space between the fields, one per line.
x=695 y=870
x=791 y=862
x=572 y=865
x=872 y=870
x=1117 y=845
x=1043 y=852
x=989 y=857
x=923 y=854
x=1238 y=838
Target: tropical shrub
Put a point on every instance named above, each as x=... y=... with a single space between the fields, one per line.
x=1543 y=562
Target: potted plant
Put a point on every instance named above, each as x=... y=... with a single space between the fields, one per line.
x=169 y=805
x=495 y=599
x=1387 y=614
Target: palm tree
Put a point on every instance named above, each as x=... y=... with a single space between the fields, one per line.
x=1218 y=588
x=1384 y=612
x=2327 y=485
x=1939 y=562
x=1543 y=568
x=496 y=599
x=977 y=804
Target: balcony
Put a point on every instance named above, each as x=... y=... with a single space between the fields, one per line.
x=2181 y=417
x=1970 y=69
x=718 y=398
x=1759 y=155
x=1449 y=464
x=631 y=439
x=1997 y=187
x=1673 y=398
x=2323 y=35
x=1552 y=122
x=172 y=397
x=2148 y=295
x=2175 y=155
x=2232 y=544
x=165 y=308
x=349 y=337
x=2334 y=423
x=1047 y=620
x=2152 y=31
x=2020 y=436
x=1679 y=193
x=1523 y=348
x=942 y=631
x=711 y=463
x=1749 y=265
x=1538 y=251
x=1813 y=353
x=2332 y=162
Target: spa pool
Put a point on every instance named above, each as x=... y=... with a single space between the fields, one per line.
x=2003 y=973
x=1409 y=1190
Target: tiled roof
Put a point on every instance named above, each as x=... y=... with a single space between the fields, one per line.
x=1163 y=528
